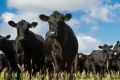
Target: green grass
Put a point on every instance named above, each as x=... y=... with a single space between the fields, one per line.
x=61 y=76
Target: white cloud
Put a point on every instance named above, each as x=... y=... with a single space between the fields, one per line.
x=87 y=43
x=73 y=22
x=90 y=22
x=98 y=9
x=107 y=13
x=100 y=13
x=7 y=30
x=94 y=28
x=69 y=5
x=7 y=16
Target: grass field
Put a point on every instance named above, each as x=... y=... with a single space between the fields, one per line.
x=61 y=76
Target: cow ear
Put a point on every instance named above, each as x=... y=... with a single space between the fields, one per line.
x=8 y=36
x=100 y=47
x=110 y=46
x=67 y=17
x=44 y=17
x=12 y=23
x=118 y=42
x=33 y=24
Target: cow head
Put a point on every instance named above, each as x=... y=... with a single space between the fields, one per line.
x=22 y=28
x=2 y=39
x=106 y=48
x=55 y=21
x=116 y=49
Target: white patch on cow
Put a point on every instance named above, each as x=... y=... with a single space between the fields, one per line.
x=52 y=32
x=115 y=53
x=89 y=57
x=80 y=56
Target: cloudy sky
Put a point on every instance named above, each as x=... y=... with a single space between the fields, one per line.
x=95 y=22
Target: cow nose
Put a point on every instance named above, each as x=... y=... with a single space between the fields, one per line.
x=21 y=38
x=115 y=53
x=53 y=33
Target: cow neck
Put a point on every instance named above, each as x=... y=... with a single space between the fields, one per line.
x=28 y=41
x=61 y=32
x=29 y=37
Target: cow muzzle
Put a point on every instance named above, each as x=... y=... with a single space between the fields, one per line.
x=21 y=38
x=53 y=33
x=115 y=53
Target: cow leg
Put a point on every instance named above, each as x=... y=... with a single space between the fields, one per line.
x=69 y=67
x=55 y=62
x=102 y=72
x=75 y=62
x=72 y=65
x=18 y=75
x=94 y=70
x=118 y=65
x=87 y=72
x=109 y=72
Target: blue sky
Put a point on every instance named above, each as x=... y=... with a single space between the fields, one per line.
x=94 y=22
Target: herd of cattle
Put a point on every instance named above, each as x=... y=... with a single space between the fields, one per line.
x=59 y=49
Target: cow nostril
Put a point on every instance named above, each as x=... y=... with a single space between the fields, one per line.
x=21 y=38
x=55 y=34
x=52 y=33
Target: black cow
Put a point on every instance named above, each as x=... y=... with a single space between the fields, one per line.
x=116 y=49
x=8 y=48
x=29 y=46
x=100 y=59
x=84 y=63
x=115 y=60
x=114 y=65
x=54 y=51
x=65 y=36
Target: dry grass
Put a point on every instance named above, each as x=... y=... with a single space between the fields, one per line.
x=61 y=76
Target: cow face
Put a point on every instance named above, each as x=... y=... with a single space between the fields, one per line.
x=22 y=28
x=116 y=48
x=55 y=21
x=106 y=48
x=2 y=39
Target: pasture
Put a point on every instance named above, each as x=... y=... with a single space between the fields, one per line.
x=61 y=76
